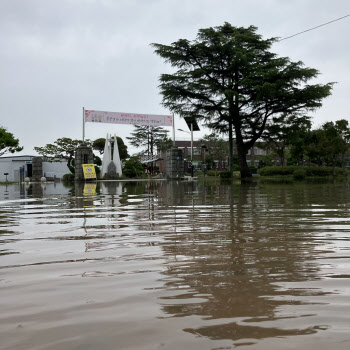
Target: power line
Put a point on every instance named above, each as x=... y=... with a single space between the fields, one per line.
x=307 y=30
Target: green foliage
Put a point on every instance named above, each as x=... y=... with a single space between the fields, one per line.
x=213 y=173
x=133 y=168
x=98 y=171
x=150 y=137
x=329 y=143
x=266 y=160
x=235 y=167
x=299 y=174
x=165 y=144
x=68 y=178
x=228 y=78
x=253 y=169
x=99 y=145
x=216 y=146
x=8 y=143
x=225 y=174
x=284 y=130
x=97 y=160
x=209 y=162
x=310 y=170
x=62 y=148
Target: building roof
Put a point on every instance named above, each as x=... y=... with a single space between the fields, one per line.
x=22 y=156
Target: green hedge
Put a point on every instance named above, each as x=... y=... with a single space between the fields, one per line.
x=68 y=178
x=299 y=174
x=225 y=174
x=309 y=170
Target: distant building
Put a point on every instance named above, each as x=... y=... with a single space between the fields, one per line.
x=204 y=150
x=12 y=164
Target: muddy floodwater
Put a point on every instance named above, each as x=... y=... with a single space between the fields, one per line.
x=175 y=265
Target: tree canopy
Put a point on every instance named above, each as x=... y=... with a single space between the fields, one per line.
x=61 y=148
x=133 y=167
x=283 y=131
x=328 y=144
x=149 y=137
x=99 y=145
x=229 y=78
x=8 y=143
x=216 y=147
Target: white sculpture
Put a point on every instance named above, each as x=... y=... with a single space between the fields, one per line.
x=111 y=164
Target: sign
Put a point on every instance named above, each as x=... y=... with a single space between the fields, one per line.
x=128 y=118
x=89 y=189
x=89 y=171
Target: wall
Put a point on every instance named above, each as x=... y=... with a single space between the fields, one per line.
x=12 y=164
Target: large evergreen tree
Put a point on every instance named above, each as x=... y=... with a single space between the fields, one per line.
x=228 y=78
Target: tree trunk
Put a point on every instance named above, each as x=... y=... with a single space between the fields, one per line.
x=241 y=152
x=230 y=146
x=242 y=160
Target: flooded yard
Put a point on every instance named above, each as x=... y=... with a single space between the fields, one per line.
x=175 y=265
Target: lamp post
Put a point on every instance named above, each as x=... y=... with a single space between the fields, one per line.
x=191 y=146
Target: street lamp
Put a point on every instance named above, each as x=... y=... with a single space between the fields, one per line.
x=193 y=126
x=191 y=146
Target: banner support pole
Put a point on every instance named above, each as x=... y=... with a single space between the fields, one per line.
x=174 y=130
x=83 y=124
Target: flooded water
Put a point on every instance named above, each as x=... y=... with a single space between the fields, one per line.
x=175 y=265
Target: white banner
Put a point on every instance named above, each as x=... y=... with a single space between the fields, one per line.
x=128 y=118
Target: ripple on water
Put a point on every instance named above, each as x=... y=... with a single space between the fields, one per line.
x=148 y=265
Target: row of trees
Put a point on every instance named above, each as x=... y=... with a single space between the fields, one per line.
x=228 y=78
x=150 y=138
x=64 y=148
x=293 y=141
x=290 y=140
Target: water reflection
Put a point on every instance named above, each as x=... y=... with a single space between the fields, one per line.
x=229 y=263
x=232 y=258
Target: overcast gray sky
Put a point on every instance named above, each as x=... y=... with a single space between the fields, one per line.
x=60 y=56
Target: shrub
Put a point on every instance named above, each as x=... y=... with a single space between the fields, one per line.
x=212 y=173
x=299 y=174
x=252 y=169
x=68 y=178
x=309 y=170
x=133 y=168
x=225 y=174
x=236 y=167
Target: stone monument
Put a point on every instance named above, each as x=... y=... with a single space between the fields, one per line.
x=83 y=155
x=37 y=169
x=175 y=167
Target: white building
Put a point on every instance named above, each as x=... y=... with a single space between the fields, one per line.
x=12 y=164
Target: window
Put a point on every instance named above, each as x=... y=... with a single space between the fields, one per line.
x=259 y=151
x=196 y=151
